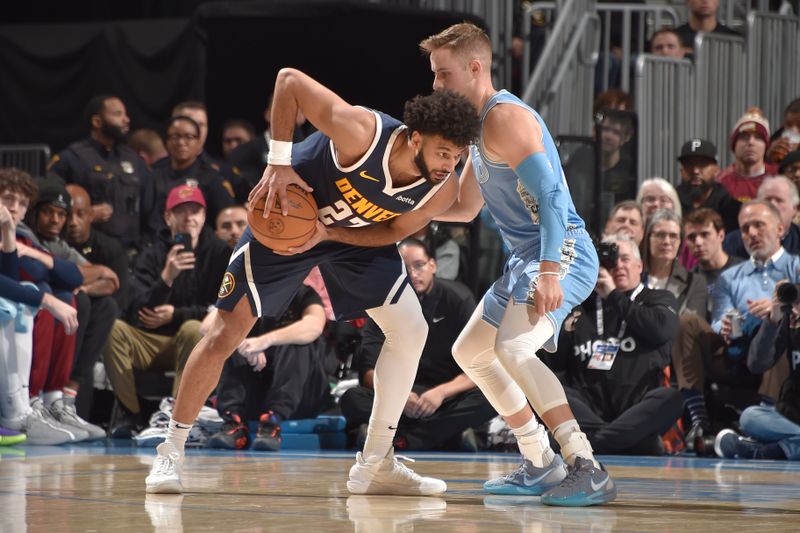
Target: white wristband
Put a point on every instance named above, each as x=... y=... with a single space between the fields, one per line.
x=280 y=153
x=549 y=274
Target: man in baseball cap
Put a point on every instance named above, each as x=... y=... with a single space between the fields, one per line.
x=699 y=167
x=183 y=194
x=748 y=141
x=174 y=282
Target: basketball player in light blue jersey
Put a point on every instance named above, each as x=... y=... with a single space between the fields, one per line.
x=375 y=181
x=515 y=170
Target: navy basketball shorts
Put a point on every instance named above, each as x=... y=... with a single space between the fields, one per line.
x=357 y=278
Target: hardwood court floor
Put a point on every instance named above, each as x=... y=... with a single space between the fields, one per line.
x=94 y=488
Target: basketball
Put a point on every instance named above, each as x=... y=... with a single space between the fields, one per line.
x=279 y=232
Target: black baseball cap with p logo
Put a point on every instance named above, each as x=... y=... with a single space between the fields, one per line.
x=698 y=148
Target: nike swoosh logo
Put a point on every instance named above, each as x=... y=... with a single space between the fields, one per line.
x=598 y=486
x=366 y=176
x=437 y=319
x=529 y=481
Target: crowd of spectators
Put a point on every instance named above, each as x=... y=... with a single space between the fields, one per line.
x=115 y=258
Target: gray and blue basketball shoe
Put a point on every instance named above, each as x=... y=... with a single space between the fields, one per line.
x=585 y=485
x=529 y=480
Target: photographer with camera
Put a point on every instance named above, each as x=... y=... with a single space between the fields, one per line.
x=612 y=353
x=174 y=282
x=773 y=431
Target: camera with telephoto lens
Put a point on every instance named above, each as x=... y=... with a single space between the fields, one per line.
x=608 y=252
x=788 y=293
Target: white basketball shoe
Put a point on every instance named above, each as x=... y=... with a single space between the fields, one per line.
x=389 y=476
x=165 y=475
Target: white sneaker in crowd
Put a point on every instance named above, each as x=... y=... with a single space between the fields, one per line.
x=63 y=410
x=165 y=475
x=40 y=430
x=43 y=415
x=390 y=476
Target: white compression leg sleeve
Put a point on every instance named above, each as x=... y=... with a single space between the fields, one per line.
x=474 y=352
x=516 y=346
x=16 y=357
x=406 y=331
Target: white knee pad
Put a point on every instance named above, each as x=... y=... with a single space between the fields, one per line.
x=516 y=346
x=474 y=353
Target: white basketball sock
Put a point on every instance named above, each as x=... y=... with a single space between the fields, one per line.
x=177 y=433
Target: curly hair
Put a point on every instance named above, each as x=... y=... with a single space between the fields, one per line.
x=16 y=180
x=443 y=113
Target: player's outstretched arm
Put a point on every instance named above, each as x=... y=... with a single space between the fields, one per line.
x=385 y=233
x=512 y=134
x=350 y=128
x=469 y=201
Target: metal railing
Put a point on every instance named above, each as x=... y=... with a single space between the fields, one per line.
x=32 y=158
x=499 y=18
x=637 y=20
x=719 y=96
x=665 y=105
x=568 y=60
x=773 y=53
x=646 y=19
x=548 y=13
x=733 y=13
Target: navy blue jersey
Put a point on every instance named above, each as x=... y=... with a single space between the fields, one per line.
x=363 y=193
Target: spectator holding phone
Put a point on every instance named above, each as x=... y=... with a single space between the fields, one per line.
x=787 y=138
x=174 y=283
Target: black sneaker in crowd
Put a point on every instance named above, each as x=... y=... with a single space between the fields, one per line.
x=234 y=434
x=268 y=438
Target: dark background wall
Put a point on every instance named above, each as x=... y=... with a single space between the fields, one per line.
x=227 y=54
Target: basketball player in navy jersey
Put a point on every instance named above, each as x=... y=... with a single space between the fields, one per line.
x=375 y=181
x=515 y=170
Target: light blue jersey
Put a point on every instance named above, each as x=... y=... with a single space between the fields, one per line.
x=513 y=208
x=516 y=212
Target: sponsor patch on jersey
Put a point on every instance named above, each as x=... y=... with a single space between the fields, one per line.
x=227 y=285
x=405 y=199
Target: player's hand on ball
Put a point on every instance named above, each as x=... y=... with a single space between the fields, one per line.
x=274 y=181
x=320 y=234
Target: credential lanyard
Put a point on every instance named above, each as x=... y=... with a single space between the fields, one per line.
x=624 y=324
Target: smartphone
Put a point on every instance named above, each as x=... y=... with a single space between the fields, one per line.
x=185 y=239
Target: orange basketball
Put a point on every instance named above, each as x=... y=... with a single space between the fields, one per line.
x=280 y=232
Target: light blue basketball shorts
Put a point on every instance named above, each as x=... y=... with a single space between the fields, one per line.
x=578 y=276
